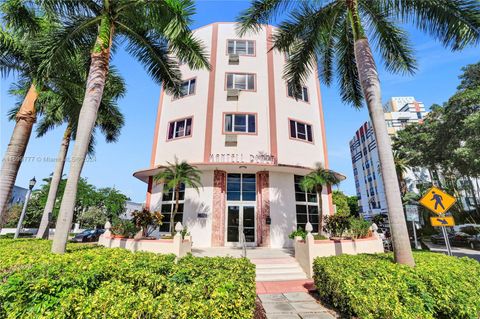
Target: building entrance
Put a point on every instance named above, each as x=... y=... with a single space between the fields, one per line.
x=241 y=210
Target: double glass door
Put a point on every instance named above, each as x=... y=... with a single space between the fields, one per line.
x=240 y=219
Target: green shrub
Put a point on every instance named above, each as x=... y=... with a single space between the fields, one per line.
x=336 y=224
x=124 y=228
x=373 y=286
x=359 y=227
x=94 y=282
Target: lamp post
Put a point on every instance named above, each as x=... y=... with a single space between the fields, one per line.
x=31 y=184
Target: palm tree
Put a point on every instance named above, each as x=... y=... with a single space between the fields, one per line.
x=19 y=55
x=336 y=32
x=63 y=107
x=315 y=181
x=152 y=31
x=401 y=167
x=173 y=177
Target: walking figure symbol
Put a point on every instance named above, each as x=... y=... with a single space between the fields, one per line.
x=438 y=200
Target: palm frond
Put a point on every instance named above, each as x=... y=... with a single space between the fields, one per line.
x=152 y=51
x=390 y=40
x=346 y=66
x=21 y=16
x=262 y=12
x=455 y=23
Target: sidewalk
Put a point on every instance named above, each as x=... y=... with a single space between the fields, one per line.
x=457 y=251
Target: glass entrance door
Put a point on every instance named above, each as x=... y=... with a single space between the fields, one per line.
x=240 y=219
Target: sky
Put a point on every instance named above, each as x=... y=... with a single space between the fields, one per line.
x=113 y=164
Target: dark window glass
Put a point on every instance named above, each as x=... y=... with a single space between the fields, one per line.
x=293 y=131
x=251 y=123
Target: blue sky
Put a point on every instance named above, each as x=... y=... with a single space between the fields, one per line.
x=113 y=164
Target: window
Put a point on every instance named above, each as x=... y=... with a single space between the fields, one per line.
x=301 y=96
x=241 y=47
x=301 y=131
x=180 y=128
x=241 y=81
x=306 y=206
x=187 y=88
x=168 y=206
x=240 y=123
x=241 y=187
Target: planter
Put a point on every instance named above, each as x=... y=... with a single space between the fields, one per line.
x=297 y=238
x=118 y=236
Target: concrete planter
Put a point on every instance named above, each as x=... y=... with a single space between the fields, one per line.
x=307 y=250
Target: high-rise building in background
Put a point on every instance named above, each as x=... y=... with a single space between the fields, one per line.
x=399 y=111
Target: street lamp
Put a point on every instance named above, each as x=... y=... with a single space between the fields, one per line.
x=31 y=184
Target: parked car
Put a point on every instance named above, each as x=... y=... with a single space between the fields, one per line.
x=474 y=241
x=438 y=238
x=460 y=239
x=88 y=235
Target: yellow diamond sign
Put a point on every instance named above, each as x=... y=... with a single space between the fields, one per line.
x=437 y=200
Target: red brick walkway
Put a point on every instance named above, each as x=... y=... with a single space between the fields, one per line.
x=275 y=287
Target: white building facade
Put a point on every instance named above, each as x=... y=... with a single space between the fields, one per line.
x=399 y=111
x=239 y=124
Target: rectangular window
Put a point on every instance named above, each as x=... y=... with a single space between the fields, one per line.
x=301 y=96
x=305 y=205
x=301 y=131
x=241 y=47
x=240 y=123
x=241 y=187
x=180 y=128
x=168 y=206
x=187 y=87
x=241 y=81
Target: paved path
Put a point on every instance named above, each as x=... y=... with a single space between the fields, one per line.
x=293 y=305
x=457 y=251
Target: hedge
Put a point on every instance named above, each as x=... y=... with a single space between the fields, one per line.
x=96 y=282
x=373 y=286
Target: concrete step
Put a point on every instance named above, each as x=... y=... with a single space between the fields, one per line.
x=278 y=266
x=281 y=276
x=290 y=270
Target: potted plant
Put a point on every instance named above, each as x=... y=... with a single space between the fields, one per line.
x=186 y=234
x=147 y=221
x=298 y=234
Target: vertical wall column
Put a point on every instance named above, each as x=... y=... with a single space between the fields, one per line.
x=218 y=208
x=263 y=209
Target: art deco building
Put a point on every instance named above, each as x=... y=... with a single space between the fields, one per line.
x=251 y=138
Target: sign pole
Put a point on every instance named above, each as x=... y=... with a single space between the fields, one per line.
x=447 y=242
x=415 y=234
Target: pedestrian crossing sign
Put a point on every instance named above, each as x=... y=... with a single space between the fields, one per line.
x=437 y=200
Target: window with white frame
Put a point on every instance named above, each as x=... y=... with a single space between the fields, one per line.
x=303 y=95
x=305 y=205
x=301 y=131
x=187 y=87
x=180 y=128
x=168 y=206
x=241 y=81
x=241 y=47
x=240 y=123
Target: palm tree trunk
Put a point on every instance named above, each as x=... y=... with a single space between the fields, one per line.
x=371 y=89
x=175 y=210
x=25 y=118
x=320 y=209
x=88 y=114
x=55 y=182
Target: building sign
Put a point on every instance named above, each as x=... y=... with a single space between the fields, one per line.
x=241 y=158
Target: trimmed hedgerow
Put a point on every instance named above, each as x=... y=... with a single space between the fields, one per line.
x=373 y=286
x=95 y=282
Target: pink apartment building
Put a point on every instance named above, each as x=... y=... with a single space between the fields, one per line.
x=253 y=141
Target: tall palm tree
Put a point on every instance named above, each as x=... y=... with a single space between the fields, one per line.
x=316 y=180
x=152 y=31
x=336 y=32
x=63 y=107
x=19 y=55
x=173 y=177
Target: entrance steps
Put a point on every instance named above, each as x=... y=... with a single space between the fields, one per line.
x=271 y=264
